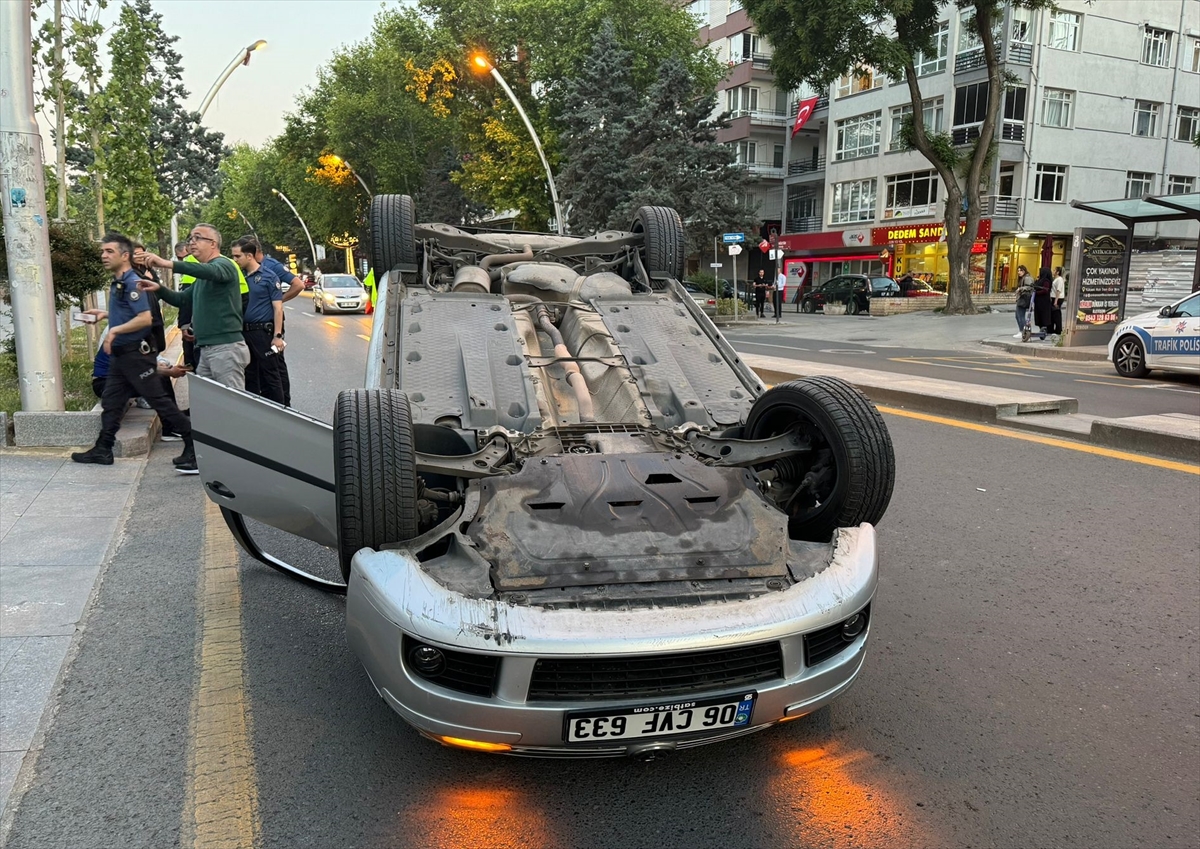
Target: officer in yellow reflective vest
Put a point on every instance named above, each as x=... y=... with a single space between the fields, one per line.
x=369 y=285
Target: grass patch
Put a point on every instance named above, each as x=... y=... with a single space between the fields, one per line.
x=77 y=384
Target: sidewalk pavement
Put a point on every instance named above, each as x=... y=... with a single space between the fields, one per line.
x=1050 y=351
x=59 y=521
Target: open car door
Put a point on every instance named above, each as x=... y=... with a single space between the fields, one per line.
x=265 y=462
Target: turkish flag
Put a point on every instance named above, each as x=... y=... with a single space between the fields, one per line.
x=802 y=114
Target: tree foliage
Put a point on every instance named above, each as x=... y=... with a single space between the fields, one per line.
x=816 y=41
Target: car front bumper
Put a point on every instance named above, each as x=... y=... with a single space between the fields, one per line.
x=390 y=596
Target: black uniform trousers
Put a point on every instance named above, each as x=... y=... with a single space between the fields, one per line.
x=133 y=374
x=262 y=375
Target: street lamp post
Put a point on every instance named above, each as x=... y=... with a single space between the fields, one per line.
x=482 y=63
x=311 y=246
x=339 y=161
x=242 y=58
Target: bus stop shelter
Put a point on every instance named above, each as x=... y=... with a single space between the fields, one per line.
x=1100 y=261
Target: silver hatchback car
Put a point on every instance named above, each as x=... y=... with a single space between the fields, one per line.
x=570 y=520
x=339 y=293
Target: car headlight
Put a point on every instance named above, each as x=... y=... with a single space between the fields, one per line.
x=327 y=296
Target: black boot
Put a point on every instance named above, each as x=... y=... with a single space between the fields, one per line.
x=185 y=463
x=99 y=454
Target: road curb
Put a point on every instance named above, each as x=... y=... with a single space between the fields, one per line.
x=1173 y=435
x=1028 y=349
x=968 y=401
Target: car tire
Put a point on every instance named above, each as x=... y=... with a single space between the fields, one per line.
x=808 y=306
x=316 y=305
x=393 y=238
x=847 y=434
x=852 y=306
x=663 y=245
x=375 y=471
x=1129 y=357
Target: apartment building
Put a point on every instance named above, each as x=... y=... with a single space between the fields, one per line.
x=1105 y=103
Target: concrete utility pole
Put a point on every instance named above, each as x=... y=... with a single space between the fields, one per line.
x=23 y=196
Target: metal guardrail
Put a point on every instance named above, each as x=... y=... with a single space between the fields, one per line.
x=1020 y=52
x=810 y=224
x=805 y=166
x=1000 y=207
x=969 y=59
x=1013 y=131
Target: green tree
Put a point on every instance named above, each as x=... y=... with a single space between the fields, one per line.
x=134 y=201
x=596 y=130
x=819 y=40
x=674 y=160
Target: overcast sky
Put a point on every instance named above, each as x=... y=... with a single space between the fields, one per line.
x=301 y=35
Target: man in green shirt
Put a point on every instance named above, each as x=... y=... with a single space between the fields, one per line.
x=216 y=303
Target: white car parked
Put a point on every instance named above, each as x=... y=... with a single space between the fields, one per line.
x=1167 y=339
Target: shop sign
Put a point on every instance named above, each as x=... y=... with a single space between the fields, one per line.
x=924 y=232
x=1101 y=269
x=855 y=238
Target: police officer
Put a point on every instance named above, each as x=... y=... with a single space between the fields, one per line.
x=291 y=286
x=132 y=370
x=262 y=322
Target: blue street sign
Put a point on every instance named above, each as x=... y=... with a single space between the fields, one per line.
x=733 y=238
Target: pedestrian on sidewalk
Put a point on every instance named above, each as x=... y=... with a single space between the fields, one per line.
x=216 y=302
x=1024 y=298
x=132 y=368
x=780 y=289
x=291 y=286
x=1041 y=300
x=761 y=285
x=1058 y=294
x=262 y=322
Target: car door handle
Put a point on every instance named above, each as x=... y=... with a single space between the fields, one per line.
x=220 y=489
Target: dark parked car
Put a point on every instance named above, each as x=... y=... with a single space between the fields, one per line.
x=853 y=290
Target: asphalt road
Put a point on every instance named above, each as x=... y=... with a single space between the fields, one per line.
x=1099 y=389
x=1032 y=680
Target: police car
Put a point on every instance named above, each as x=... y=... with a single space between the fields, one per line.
x=1167 y=339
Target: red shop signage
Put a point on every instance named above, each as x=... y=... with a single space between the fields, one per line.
x=899 y=233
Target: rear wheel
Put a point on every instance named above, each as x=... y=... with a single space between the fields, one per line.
x=393 y=237
x=848 y=477
x=375 y=471
x=1129 y=357
x=852 y=306
x=663 y=248
x=808 y=305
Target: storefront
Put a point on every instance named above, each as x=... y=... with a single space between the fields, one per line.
x=917 y=249
x=1033 y=251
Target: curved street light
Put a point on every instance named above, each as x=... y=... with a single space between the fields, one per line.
x=311 y=246
x=337 y=160
x=483 y=65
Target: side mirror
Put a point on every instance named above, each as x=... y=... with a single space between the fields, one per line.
x=1165 y=312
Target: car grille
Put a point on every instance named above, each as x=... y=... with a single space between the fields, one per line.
x=821 y=645
x=653 y=675
x=468 y=673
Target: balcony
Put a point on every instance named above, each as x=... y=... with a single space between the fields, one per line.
x=1020 y=53
x=761 y=61
x=822 y=103
x=1013 y=131
x=968 y=60
x=997 y=206
x=797 y=167
x=966 y=133
x=810 y=224
x=761 y=119
x=764 y=171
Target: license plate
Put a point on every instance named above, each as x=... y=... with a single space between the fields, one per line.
x=662 y=719
x=347 y=304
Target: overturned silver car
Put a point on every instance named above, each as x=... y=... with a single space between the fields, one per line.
x=571 y=521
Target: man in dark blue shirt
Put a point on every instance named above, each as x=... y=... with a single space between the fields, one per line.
x=132 y=368
x=262 y=322
x=291 y=286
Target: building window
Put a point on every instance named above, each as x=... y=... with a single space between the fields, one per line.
x=1056 y=107
x=699 y=10
x=1156 y=47
x=747 y=153
x=1178 y=185
x=1013 y=128
x=1138 y=183
x=936 y=61
x=1064 y=30
x=931 y=113
x=1196 y=55
x=1050 y=183
x=741 y=100
x=745 y=46
x=858 y=136
x=862 y=79
x=1022 y=25
x=853 y=201
x=1187 y=125
x=911 y=195
x=777 y=156
x=1145 y=118
x=970 y=105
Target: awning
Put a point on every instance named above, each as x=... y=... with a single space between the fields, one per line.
x=1146 y=209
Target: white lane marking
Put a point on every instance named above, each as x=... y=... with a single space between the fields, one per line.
x=768 y=345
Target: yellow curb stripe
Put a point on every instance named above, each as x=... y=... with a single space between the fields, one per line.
x=221 y=805
x=1048 y=440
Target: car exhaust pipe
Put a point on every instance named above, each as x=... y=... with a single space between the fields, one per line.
x=575 y=379
x=647 y=752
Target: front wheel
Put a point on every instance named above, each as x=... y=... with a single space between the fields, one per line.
x=1129 y=357
x=808 y=306
x=848 y=476
x=852 y=306
x=375 y=471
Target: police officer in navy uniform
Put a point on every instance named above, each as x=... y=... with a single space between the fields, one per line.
x=133 y=368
